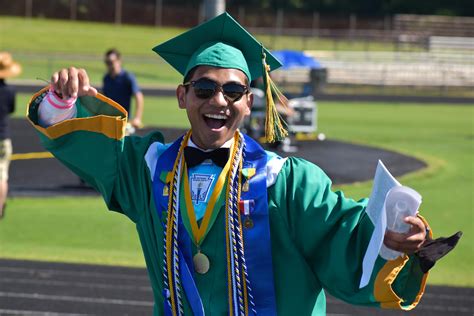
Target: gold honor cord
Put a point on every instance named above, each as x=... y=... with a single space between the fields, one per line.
x=244 y=271
x=227 y=232
x=170 y=221
x=201 y=262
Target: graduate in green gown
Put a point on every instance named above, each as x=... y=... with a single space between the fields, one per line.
x=250 y=233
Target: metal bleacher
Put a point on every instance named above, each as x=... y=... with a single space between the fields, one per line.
x=433 y=68
x=447 y=67
x=444 y=57
x=451 y=44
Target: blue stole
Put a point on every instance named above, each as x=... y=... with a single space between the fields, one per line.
x=257 y=241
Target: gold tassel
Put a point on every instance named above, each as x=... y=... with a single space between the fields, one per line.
x=274 y=123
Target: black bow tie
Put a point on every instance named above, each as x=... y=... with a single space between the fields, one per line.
x=195 y=156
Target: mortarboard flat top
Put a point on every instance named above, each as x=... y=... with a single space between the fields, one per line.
x=220 y=42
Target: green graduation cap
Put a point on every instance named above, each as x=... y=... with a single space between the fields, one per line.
x=223 y=42
x=220 y=42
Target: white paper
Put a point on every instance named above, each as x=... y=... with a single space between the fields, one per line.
x=410 y=202
x=383 y=182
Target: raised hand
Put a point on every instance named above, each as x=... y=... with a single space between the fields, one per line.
x=72 y=83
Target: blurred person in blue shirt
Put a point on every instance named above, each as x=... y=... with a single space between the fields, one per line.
x=120 y=85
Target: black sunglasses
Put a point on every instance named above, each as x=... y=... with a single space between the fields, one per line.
x=206 y=88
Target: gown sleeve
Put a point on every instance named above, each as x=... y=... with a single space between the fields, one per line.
x=332 y=233
x=94 y=146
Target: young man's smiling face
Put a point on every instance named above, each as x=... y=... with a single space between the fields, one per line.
x=214 y=120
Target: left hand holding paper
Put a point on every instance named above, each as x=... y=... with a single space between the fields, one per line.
x=410 y=241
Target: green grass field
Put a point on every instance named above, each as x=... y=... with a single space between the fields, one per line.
x=43 y=46
x=62 y=36
x=81 y=230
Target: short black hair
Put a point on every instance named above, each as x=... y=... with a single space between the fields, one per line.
x=113 y=51
x=190 y=74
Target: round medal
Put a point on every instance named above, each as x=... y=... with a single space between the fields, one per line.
x=201 y=263
x=248 y=223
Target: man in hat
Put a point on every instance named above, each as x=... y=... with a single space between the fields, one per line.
x=226 y=227
x=8 y=69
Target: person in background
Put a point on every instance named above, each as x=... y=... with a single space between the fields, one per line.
x=8 y=69
x=120 y=85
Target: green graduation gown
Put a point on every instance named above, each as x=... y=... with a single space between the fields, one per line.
x=318 y=237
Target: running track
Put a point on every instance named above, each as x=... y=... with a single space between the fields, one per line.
x=57 y=289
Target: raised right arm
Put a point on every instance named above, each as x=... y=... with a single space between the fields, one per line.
x=93 y=144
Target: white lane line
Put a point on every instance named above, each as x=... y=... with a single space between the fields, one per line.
x=76 y=284
x=448 y=297
x=37 y=296
x=445 y=308
x=36 y=313
x=48 y=272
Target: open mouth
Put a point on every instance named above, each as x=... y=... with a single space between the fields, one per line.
x=215 y=121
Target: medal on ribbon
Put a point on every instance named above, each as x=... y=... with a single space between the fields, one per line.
x=246 y=207
x=197 y=192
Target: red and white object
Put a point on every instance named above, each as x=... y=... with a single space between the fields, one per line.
x=246 y=206
x=53 y=109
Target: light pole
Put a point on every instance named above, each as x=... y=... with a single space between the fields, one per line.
x=213 y=8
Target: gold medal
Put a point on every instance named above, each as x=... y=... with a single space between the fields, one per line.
x=245 y=186
x=201 y=263
x=248 y=223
